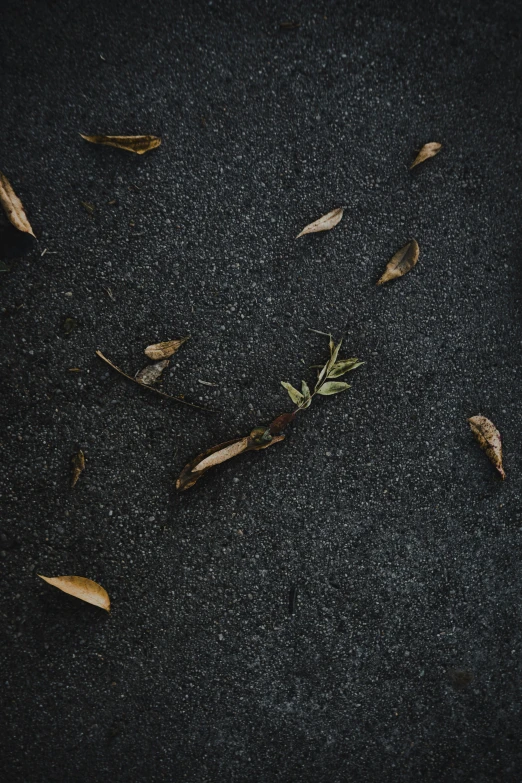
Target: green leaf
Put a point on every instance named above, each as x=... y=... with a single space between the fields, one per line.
x=321 y=376
x=305 y=391
x=333 y=387
x=335 y=354
x=345 y=365
x=295 y=396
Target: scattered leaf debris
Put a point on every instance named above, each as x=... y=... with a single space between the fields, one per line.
x=13 y=207
x=69 y=325
x=325 y=223
x=152 y=373
x=88 y=207
x=78 y=463
x=82 y=588
x=489 y=440
x=152 y=388
x=403 y=260
x=166 y=349
x=289 y=25
x=206 y=383
x=263 y=437
x=428 y=151
x=137 y=144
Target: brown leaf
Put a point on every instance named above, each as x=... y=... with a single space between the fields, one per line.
x=84 y=589
x=325 y=223
x=428 y=151
x=221 y=453
x=152 y=373
x=78 y=462
x=164 y=350
x=489 y=439
x=403 y=260
x=137 y=144
x=151 y=388
x=13 y=207
x=281 y=422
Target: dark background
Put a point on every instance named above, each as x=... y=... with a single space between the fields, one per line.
x=402 y=659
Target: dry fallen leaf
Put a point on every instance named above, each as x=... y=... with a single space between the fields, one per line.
x=78 y=462
x=428 y=151
x=164 y=350
x=259 y=438
x=13 y=206
x=137 y=144
x=325 y=223
x=84 y=589
x=489 y=439
x=152 y=373
x=403 y=260
x=151 y=388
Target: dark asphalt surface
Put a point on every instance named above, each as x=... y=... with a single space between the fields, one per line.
x=379 y=514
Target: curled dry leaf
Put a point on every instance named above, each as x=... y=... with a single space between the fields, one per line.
x=325 y=223
x=137 y=144
x=164 y=350
x=403 y=260
x=259 y=438
x=78 y=463
x=152 y=373
x=428 y=151
x=13 y=207
x=489 y=439
x=84 y=589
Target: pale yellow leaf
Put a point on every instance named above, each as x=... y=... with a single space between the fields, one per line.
x=428 y=151
x=325 y=223
x=164 y=350
x=489 y=440
x=79 y=587
x=137 y=144
x=13 y=207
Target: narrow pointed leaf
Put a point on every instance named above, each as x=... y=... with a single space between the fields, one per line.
x=333 y=387
x=403 y=260
x=345 y=365
x=305 y=391
x=13 y=207
x=489 y=440
x=152 y=373
x=295 y=395
x=84 y=589
x=137 y=144
x=325 y=223
x=334 y=355
x=428 y=151
x=164 y=350
x=221 y=453
x=78 y=463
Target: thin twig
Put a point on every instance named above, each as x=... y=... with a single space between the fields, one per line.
x=151 y=388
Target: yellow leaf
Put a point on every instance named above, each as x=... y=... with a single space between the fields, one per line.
x=489 y=440
x=78 y=461
x=403 y=260
x=164 y=350
x=137 y=144
x=84 y=589
x=325 y=223
x=13 y=206
x=428 y=151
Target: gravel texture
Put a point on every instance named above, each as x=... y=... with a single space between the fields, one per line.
x=346 y=605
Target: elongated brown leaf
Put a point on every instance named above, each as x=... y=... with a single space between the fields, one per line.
x=137 y=144
x=164 y=350
x=151 y=388
x=82 y=588
x=489 y=440
x=403 y=260
x=223 y=452
x=325 y=223
x=152 y=373
x=78 y=463
x=281 y=423
x=428 y=151
x=13 y=207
